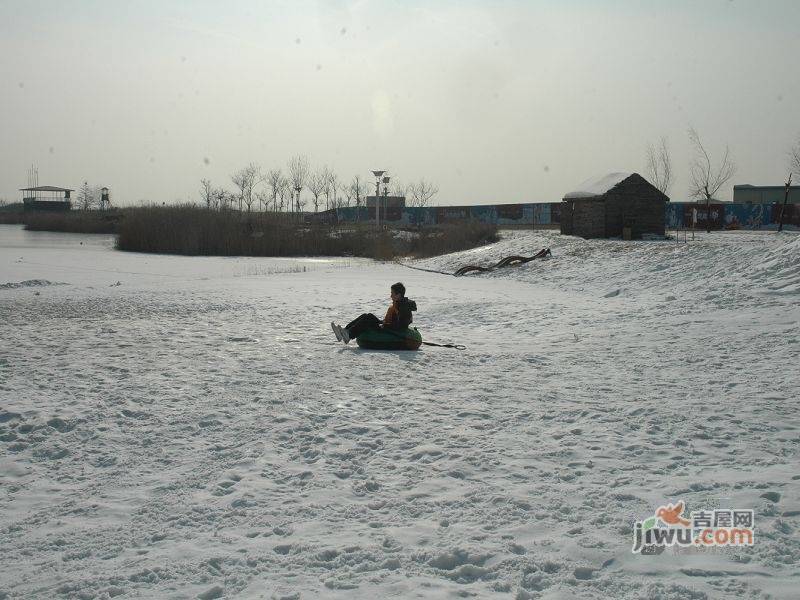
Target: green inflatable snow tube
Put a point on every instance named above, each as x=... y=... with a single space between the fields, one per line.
x=390 y=339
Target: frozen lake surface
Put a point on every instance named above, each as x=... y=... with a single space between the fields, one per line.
x=177 y=427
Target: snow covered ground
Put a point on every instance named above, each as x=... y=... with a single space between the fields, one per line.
x=179 y=427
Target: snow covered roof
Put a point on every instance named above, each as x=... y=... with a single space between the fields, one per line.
x=597 y=186
x=46 y=188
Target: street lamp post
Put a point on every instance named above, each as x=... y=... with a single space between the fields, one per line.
x=378 y=175
x=385 y=194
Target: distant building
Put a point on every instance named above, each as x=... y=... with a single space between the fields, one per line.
x=387 y=201
x=391 y=207
x=614 y=205
x=764 y=194
x=46 y=198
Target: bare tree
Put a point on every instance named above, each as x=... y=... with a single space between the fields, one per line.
x=298 y=176
x=332 y=190
x=422 y=192
x=284 y=190
x=248 y=199
x=246 y=180
x=358 y=191
x=224 y=199
x=659 y=166
x=317 y=184
x=86 y=197
x=340 y=200
x=794 y=169
x=705 y=179
x=256 y=177
x=239 y=179
x=347 y=193
x=325 y=174
x=263 y=197
x=399 y=188
x=275 y=182
x=207 y=192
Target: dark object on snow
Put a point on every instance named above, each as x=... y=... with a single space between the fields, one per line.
x=363 y=323
x=398 y=318
x=388 y=339
x=508 y=261
x=385 y=339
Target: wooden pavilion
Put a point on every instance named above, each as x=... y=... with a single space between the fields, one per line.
x=46 y=198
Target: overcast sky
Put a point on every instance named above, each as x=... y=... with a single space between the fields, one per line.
x=494 y=101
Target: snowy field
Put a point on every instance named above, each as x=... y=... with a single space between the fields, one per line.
x=175 y=427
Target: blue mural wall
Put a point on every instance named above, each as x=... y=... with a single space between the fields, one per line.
x=500 y=214
x=727 y=215
x=724 y=215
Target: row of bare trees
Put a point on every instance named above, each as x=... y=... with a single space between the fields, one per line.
x=706 y=176
x=282 y=191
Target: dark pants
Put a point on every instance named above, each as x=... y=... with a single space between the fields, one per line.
x=363 y=323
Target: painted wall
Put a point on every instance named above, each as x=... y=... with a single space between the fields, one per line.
x=501 y=214
x=733 y=216
x=678 y=214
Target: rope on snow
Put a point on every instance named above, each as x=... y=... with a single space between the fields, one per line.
x=402 y=337
x=402 y=264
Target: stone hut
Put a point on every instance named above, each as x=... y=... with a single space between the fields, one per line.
x=622 y=205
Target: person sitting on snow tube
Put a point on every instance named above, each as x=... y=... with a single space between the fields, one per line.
x=397 y=318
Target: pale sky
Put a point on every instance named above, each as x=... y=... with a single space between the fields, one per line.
x=494 y=101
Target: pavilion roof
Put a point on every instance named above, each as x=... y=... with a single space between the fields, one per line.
x=46 y=188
